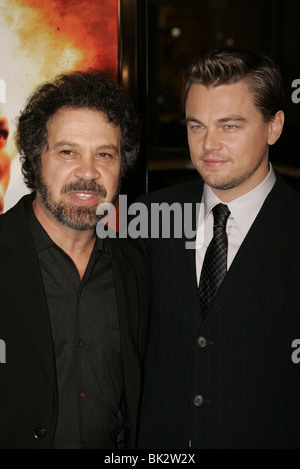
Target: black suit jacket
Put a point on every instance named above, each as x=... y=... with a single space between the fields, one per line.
x=28 y=389
x=228 y=380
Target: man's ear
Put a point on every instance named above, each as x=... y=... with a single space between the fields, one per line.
x=275 y=127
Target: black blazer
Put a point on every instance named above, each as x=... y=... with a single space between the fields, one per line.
x=229 y=380
x=28 y=390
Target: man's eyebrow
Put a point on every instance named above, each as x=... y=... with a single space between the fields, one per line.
x=192 y=119
x=231 y=118
x=63 y=143
x=109 y=146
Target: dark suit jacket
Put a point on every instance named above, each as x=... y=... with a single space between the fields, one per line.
x=229 y=380
x=28 y=389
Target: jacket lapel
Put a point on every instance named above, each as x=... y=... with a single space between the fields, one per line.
x=20 y=272
x=185 y=264
x=131 y=338
x=127 y=294
x=264 y=235
x=183 y=250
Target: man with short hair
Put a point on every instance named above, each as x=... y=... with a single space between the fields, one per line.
x=73 y=306
x=222 y=367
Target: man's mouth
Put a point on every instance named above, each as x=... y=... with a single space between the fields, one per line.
x=85 y=190
x=214 y=163
x=83 y=196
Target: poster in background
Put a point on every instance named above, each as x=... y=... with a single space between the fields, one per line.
x=38 y=41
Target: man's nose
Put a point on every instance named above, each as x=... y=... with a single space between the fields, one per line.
x=211 y=140
x=87 y=169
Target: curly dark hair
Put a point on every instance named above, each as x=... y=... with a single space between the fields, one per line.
x=89 y=89
x=228 y=66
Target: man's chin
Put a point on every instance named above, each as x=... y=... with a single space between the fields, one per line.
x=79 y=218
x=220 y=183
x=79 y=223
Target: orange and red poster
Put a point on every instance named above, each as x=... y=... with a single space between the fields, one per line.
x=38 y=40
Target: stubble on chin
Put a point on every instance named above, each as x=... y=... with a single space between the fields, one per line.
x=217 y=179
x=222 y=183
x=231 y=180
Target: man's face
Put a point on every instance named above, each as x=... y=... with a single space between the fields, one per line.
x=5 y=161
x=80 y=167
x=228 y=138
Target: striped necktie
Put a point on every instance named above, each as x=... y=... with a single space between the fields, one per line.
x=215 y=260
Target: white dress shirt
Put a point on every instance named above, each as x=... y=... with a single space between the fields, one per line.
x=243 y=212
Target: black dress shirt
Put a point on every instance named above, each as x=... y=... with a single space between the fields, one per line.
x=86 y=337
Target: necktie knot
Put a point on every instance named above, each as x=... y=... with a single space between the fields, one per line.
x=221 y=213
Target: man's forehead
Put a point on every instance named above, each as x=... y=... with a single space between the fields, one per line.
x=234 y=97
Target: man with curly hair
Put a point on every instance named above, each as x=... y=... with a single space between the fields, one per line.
x=72 y=316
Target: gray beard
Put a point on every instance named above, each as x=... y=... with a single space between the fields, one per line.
x=76 y=218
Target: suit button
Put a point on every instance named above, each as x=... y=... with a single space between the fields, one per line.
x=39 y=433
x=202 y=342
x=198 y=400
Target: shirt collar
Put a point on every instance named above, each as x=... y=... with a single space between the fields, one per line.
x=244 y=209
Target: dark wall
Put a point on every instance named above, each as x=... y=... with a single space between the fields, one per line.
x=177 y=32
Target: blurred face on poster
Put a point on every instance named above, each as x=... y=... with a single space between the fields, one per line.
x=38 y=42
x=4 y=160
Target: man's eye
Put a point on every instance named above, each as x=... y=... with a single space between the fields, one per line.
x=196 y=127
x=105 y=156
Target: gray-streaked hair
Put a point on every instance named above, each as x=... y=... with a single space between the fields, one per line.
x=91 y=89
